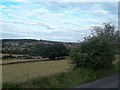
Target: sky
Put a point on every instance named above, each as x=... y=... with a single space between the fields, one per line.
x=55 y=21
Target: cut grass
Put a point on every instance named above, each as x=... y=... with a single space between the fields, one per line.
x=24 y=71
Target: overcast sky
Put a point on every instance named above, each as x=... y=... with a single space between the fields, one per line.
x=58 y=21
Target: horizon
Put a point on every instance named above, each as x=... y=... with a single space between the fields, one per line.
x=38 y=40
x=54 y=21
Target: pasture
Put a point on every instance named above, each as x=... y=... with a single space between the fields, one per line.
x=25 y=71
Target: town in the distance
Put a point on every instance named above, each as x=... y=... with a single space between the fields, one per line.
x=35 y=49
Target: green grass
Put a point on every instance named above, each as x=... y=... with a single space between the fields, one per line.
x=24 y=71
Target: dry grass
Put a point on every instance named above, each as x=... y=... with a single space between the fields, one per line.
x=15 y=61
x=8 y=60
x=25 y=71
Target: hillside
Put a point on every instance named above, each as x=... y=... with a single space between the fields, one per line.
x=23 y=46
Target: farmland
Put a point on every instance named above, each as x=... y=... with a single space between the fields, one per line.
x=17 y=61
x=24 y=71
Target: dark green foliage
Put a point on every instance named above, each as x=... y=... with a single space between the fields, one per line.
x=41 y=82
x=96 y=52
x=49 y=50
x=52 y=50
x=8 y=56
x=56 y=50
x=38 y=50
x=28 y=57
x=108 y=30
x=10 y=85
x=15 y=51
x=27 y=46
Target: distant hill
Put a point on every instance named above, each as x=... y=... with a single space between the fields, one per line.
x=24 y=45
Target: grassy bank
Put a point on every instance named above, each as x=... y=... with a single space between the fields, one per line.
x=64 y=79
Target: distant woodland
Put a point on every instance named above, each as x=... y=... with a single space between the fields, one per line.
x=31 y=47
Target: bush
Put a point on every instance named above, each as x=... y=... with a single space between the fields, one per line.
x=95 y=53
x=8 y=56
x=28 y=57
x=98 y=50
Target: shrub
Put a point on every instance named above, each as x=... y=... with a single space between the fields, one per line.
x=95 y=53
x=28 y=57
x=8 y=56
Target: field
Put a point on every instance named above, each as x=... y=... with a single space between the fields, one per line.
x=12 y=54
x=17 y=61
x=10 y=60
x=25 y=71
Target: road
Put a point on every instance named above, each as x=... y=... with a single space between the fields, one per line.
x=109 y=82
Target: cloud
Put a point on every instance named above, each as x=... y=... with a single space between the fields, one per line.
x=65 y=21
x=2 y=7
x=39 y=11
x=60 y=1
x=82 y=0
x=20 y=0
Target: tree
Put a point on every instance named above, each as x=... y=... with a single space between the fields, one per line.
x=38 y=50
x=56 y=50
x=108 y=30
x=96 y=52
x=49 y=50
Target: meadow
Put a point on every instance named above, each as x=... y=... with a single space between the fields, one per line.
x=25 y=71
x=51 y=74
x=68 y=79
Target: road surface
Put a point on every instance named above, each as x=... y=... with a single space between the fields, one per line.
x=109 y=82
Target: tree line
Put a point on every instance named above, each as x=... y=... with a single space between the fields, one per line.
x=51 y=51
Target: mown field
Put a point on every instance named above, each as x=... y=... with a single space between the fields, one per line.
x=25 y=71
